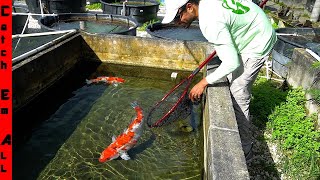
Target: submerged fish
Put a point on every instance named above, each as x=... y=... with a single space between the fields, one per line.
x=125 y=141
x=105 y=79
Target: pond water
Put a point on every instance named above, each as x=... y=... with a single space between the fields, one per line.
x=68 y=143
x=193 y=33
x=135 y=3
x=99 y=26
x=311 y=42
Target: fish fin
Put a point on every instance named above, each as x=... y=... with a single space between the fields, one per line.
x=113 y=138
x=134 y=104
x=125 y=130
x=115 y=84
x=124 y=156
x=88 y=81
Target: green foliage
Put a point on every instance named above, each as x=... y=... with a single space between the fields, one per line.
x=159 y=1
x=275 y=25
x=316 y=65
x=143 y=27
x=315 y=94
x=93 y=6
x=297 y=136
x=262 y=102
x=282 y=113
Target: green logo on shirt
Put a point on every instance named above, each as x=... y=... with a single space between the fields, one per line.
x=236 y=7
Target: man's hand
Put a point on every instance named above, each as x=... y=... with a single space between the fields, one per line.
x=197 y=90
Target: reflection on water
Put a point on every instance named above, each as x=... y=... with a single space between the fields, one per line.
x=135 y=3
x=303 y=39
x=88 y=120
x=180 y=33
x=311 y=42
x=91 y=26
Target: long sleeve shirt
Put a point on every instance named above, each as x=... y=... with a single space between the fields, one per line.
x=238 y=29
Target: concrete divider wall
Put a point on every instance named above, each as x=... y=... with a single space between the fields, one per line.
x=149 y=52
x=223 y=157
x=301 y=73
x=36 y=73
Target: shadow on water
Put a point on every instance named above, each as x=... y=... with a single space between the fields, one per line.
x=266 y=96
x=28 y=120
x=143 y=146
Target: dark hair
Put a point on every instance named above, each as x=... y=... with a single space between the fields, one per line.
x=184 y=7
x=194 y=2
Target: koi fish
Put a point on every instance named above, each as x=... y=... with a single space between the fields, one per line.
x=105 y=79
x=127 y=140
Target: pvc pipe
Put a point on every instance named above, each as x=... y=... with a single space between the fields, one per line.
x=43 y=33
x=273 y=72
x=313 y=54
x=280 y=80
x=41 y=8
x=40 y=48
x=123 y=11
x=284 y=34
x=33 y=14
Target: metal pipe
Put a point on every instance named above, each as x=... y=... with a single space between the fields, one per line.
x=40 y=48
x=42 y=34
x=41 y=8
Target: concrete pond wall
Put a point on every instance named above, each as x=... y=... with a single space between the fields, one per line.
x=223 y=155
x=301 y=73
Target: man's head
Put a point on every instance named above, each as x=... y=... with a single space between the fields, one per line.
x=182 y=12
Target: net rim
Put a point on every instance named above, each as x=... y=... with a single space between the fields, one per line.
x=158 y=122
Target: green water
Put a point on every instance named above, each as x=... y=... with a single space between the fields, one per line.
x=72 y=139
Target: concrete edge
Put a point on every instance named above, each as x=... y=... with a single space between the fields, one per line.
x=223 y=156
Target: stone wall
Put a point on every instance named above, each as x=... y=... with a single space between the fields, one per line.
x=301 y=73
x=142 y=51
x=298 y=4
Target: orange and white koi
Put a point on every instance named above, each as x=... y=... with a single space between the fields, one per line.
x=127 y=140
x=106 y=79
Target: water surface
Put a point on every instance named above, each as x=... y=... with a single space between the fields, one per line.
x=68 y=143
x=98 y=26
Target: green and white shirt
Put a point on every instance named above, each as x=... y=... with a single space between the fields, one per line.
x=237 y=29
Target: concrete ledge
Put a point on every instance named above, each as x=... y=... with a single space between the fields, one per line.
x=224 y=158
x=143 y=51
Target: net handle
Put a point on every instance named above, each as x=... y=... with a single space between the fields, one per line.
x=189 y=78
x=202 y=64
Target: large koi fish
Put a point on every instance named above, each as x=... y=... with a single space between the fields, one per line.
x=125 y=141
x=106 y=79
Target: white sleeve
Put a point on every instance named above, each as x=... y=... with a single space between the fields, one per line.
x=218 y=34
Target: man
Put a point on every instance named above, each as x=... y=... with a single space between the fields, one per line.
x=243 y=38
